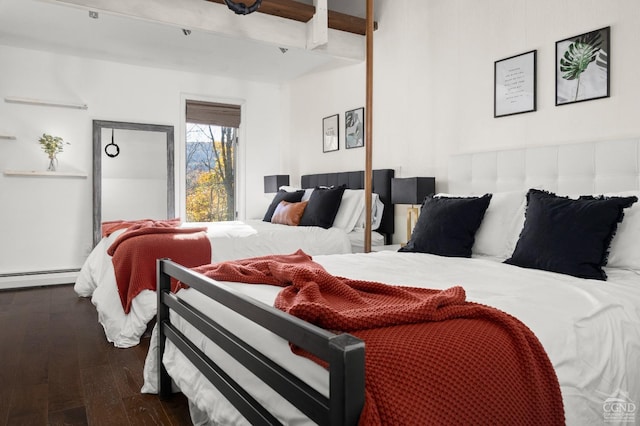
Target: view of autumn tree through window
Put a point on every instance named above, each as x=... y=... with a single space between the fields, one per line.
x=210 y=160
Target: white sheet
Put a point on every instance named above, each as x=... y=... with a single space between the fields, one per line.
x=357 y=240
x=229 y=240
x=590 y=329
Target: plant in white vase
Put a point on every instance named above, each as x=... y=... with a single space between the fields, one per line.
x=52 y=145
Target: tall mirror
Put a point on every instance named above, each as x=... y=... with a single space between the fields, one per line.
x=133 y=173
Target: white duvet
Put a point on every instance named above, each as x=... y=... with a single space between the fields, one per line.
x=590 y=330
x=229 y=240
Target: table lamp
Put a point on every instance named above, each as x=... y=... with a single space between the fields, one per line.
x=411 y=191
x=273 y=182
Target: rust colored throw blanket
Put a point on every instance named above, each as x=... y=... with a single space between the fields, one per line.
x=431 y=357
x=111 y=226
x=135 y=251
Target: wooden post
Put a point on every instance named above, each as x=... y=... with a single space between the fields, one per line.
x=368 y=173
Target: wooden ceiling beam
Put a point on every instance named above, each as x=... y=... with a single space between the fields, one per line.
x=301 y=12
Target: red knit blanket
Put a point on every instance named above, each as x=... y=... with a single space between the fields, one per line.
x=109 y=227
x=135 y=251
x=431 y=356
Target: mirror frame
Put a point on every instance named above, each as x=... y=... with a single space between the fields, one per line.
x=98 y=125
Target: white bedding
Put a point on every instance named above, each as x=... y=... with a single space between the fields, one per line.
x=229 y=240
x=357 y=240
x=590 y=329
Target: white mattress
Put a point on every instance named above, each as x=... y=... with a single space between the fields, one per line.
x=590 y=329
x=229 y=240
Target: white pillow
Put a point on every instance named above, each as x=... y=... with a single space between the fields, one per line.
x=501 y=225
x=307 y=192
x=377 y=209
x=500 y=228
x=624 y=251
x=351 y=206
x=504 y=219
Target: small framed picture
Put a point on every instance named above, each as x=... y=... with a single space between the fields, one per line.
x=330 y=133
x=582 y=67
x=515 y=84
x=354 y=128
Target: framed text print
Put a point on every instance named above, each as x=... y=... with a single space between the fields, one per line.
x=515 y=84
x=330 y=133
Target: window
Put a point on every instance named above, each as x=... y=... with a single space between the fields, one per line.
x=211 y=141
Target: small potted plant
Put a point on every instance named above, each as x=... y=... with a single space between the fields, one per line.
x=52 y=145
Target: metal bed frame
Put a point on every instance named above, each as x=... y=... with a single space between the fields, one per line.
x=343 y=353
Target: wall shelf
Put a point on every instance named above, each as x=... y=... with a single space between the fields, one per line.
x=45 y=173
x=40 y=102
x=7 y=137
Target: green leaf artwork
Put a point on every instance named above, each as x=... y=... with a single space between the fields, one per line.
x=579 y=55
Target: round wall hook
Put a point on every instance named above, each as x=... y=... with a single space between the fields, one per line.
x=111 y=149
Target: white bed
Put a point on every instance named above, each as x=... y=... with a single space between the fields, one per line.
x=229 y=240
x=590 y=331
x=234 y=240
x=589 y=328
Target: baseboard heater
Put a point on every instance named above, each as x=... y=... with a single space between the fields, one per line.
x=38 y=278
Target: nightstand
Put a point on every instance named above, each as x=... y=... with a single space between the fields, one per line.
x=388 y=247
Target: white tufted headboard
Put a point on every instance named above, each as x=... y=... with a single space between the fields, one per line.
x=585 y=168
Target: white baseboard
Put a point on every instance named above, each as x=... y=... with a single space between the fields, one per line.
x=37 y=280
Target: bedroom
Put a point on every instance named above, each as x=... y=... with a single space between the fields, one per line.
x=433 y=98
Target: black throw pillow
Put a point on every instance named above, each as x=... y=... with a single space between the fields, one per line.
x=568 y=236
x=447 y=225
x=322 y=207
x=282 y=195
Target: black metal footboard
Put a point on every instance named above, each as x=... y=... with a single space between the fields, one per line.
x=344 y=353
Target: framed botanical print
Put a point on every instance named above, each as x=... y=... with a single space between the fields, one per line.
x=354 y=128
x=582 y=67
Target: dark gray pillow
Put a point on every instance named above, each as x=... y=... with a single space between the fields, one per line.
x=322 y=207
x=282 y=195
x=568 y=236
x=447 y=225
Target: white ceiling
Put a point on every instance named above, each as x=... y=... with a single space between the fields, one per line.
x=56 y=27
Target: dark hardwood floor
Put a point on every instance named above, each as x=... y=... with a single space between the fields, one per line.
x=57 y=368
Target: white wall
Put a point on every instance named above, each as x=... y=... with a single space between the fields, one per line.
x=312 y=99
x=46 y=223
x=433 y=97
x=433 y=84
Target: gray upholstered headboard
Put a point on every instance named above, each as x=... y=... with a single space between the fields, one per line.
x=355 y=180
x=582 y=168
